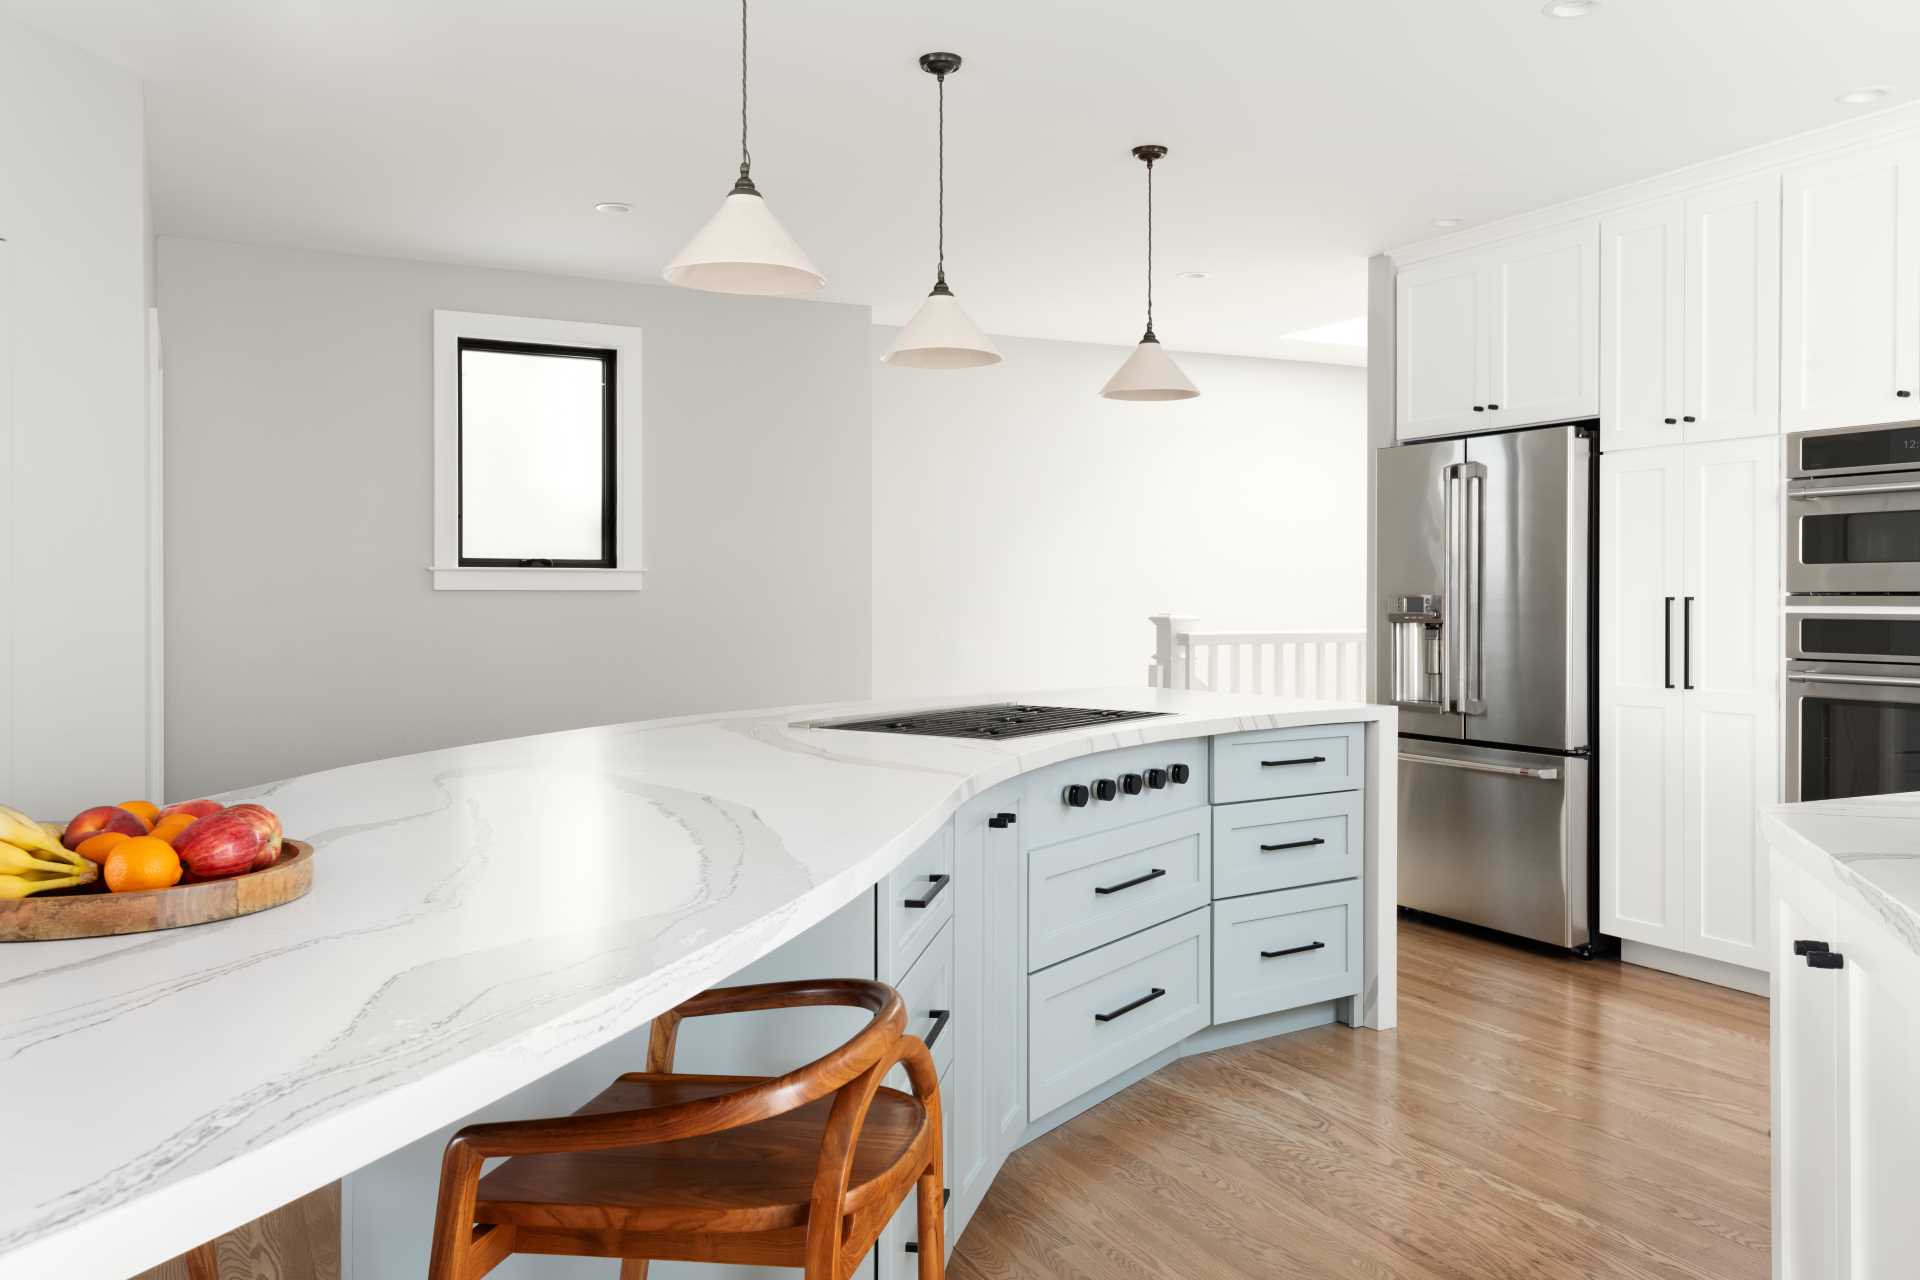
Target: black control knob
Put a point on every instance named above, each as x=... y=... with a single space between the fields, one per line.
x=1132 y=783
x=1105 y=789
x=1076 y=795
x=1156 y=778
x=1180 y=773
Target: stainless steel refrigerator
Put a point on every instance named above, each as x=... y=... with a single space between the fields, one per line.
x=1485 y=555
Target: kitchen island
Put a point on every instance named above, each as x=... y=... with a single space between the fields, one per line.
x=1846 y=1036
x=484 y=917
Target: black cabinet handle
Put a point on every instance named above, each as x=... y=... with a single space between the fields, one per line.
x=1131 y=1005
x=1492 y=405
x=941 y=1017
x=1291 y=951
x=1671 y=421
x=1291 y=844
x=1686 y=643
x=1687 y=417
x=1154 y=874
x=1903 y=394
x=1479 y=408
x=946 y=1198
x=1666 y=645
x=1803 y=946
x=999 y=820
x=1274 y=764
x=1826 y=960
x=938 y=883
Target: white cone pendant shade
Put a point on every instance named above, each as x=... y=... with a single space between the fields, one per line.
x=744 y=249
x=1149 y=374
x=941 y=336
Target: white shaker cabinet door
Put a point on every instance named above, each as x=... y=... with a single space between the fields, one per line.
x=1729 y=658
x=1542 y=309
x=1879 y=1039
x=1439 y=348
x=1642 y=314
x=1807 y=1106
x=1850 y=289
x=1642 y=879
x=1732 y=328
x=989 y=988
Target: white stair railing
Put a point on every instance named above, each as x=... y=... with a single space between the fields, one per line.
x=1289 y=664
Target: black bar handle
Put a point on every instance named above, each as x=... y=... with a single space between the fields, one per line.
x=1007 y=819
x=997 y=821
x=1131 y=1005
x=946 y=1198
x=1686 y=643
x=1826 y=960
x=1271 y=764
x=1291 y=844
x=1804 y=946
x=1666 y=645
x=941 y=1017
x=1291 y=951
x=1154 y=874
x=939 y=883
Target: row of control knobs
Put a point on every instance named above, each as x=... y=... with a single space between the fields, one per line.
x=1077 y=794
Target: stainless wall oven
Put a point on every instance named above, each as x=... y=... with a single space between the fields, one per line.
x=1853 y=511
x=1853 y=697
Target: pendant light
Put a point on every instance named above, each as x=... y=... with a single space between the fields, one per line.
x=743 y=248
x=940 y=335
x=1149 y=373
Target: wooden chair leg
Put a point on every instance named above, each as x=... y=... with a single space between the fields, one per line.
x=203 y=1262
x=633 y=1269
x=933 y=1226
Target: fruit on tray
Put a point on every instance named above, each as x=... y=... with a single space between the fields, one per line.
x=105 y=817
x=145 y=808
x=143 y=862
x=227 y=844
x=268 y=824
x=170 y=827
x=95 y=848
x=22 y=832
x=24 y=872
x=198 y=808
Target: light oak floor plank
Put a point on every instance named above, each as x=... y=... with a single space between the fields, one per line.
x=1532 y=1117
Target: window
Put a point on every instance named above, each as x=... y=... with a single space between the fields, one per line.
x=536 y=454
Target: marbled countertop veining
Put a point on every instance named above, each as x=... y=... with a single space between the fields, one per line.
x=480 y=916
x=1868 y=846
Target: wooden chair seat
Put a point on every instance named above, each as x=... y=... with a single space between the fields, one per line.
x=758 y=1177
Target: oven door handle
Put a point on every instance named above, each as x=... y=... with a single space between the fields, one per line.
x=1827 y=677
x=1852 y=490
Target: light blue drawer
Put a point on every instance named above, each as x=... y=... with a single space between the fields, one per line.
x=1265 y=764
x=1085 y=893
x=1276 y=951
x=1094 y=1016
x=1280 y=844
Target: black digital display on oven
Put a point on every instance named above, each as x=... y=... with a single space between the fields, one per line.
x=1886 y=447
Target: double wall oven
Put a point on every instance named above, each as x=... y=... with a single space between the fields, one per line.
x=1853 y=612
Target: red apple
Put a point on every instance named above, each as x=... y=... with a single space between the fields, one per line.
x=105 y=817
x=268 y=824
x=198 y=808
x=224 y=845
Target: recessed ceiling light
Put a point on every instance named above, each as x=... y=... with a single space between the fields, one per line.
x=1196 y=275
x=1446 y=223
x=1569 y=8
x=612 y=206
x=1862 y=96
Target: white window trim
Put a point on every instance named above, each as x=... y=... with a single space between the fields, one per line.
x=447 y=571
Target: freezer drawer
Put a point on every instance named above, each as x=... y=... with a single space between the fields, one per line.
x=1497 y=838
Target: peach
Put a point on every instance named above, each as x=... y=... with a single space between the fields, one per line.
x=225 y=844
x=105 y=817
x=268 y=824
x=197 y=808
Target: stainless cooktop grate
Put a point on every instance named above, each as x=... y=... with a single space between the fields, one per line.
x=994 y=720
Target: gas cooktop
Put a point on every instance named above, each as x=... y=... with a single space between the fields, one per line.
x=993 y=720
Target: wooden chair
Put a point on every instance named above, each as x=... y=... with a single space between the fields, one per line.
x=800 y=1170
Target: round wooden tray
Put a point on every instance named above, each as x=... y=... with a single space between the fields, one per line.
x=98 y=915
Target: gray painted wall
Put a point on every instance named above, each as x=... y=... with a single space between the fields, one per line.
x=301 y=628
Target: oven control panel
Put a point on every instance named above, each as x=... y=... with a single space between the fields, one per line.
x=1114 y=788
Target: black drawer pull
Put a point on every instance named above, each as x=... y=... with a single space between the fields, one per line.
x=1291 y=844
x=941 y=1017
x=1802 y=946
x=1291 y=951
x=1154 y=874
x=1129 y=1007
x=1273 y=764
x=1826 y=960
x=946 y=1198
x=938 y=883
x=1007 y=819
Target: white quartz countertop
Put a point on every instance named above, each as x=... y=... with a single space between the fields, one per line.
x=1868 y=846
x=480 y=916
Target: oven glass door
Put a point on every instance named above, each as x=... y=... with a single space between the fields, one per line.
x=1851 y=735
x=1854 y=537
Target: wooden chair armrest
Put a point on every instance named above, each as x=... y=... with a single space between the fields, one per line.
x=879 y=999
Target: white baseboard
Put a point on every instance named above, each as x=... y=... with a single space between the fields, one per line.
x=1701 y=969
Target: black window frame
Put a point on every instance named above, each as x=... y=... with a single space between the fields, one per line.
x=609 y=360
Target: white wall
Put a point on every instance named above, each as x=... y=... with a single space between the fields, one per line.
x=74 y=706
x=1024 y=528
x=302 y=630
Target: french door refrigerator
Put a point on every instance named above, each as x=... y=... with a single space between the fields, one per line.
x=1485 y=549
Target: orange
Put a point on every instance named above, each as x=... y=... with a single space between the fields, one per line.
x=170 y=827
x=95 y=848
x=145 y=808
x=142 y=863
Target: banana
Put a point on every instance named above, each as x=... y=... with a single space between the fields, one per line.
x=17 y=828
x=15 y=861
x=19 y=886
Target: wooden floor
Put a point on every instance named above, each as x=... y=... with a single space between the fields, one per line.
x=1531 y=1117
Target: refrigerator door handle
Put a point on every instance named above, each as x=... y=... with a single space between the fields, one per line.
x=1473 y=487
x=1481 y=766
x=1450 y=557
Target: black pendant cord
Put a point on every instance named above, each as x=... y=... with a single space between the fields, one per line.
x=1149 y=335
x=746 y=157
x=940 y=271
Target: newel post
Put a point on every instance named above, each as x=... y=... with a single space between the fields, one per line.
x=1168 y=630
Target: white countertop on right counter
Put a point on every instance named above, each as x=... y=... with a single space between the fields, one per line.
x=1868 y=846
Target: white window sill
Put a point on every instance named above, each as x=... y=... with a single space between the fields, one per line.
x=503 y=578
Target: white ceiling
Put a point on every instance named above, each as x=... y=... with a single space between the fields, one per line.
x=1304 y=135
